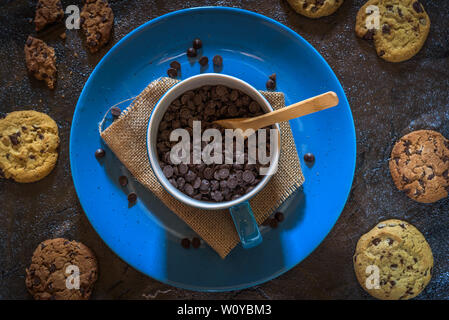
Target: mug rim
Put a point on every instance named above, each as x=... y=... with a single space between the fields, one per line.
x=152 y=151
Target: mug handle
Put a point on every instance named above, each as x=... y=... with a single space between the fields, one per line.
x=246 y=225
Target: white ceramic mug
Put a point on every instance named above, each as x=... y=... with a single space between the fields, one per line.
x=240 y=209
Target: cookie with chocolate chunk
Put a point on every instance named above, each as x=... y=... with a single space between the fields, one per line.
x=402 y=29
x=393 y=261
x=47 y=12
x=41 y=61
x=61 y=270
x=29 y=143
x=315 y=8
x=96 y=21
x=419 y=165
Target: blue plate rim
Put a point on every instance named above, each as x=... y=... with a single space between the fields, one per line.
x=240 y=11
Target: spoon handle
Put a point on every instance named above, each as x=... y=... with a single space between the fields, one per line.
x=296 y=110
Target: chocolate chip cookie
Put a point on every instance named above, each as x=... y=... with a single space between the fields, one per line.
x=402 y=257
x=419 y=165
x=56 y=266
x=402 y=30
x=47 y=12
x=96 y=21
x=28 y=146
x=315 y=8
x=41 y=61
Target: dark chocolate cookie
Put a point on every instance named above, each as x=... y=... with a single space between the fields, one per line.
x=41 y=61
x=53 y=262
x=47 y=12
x=419 y=165
x=97 y=19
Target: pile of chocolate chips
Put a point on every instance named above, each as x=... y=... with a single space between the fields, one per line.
x=213 y=182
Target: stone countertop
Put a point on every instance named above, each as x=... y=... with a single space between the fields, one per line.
x=387 y=100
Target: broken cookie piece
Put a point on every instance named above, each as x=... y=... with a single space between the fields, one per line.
x=96 y=21
x=41 y=60
x=47 y=12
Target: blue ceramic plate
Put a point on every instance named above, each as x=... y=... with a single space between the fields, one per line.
x=147 y=235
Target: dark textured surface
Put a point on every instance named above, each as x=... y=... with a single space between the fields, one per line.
x=387 y=100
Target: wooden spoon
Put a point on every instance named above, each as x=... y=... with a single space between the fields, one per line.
x=296 y=110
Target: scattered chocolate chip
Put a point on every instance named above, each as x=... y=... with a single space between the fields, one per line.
x=132 y=197
x=273 y=77
x=191 y=52
x=116 y=111
x=309 y=157
x=217 y=60
x=100 y=153
x=271 y=85
x=172 y=72
x=381 y=53
x=204 y=61
x=386 y=29
x=175 y=65
x=279 y=216
x=273 y=223
x=197 y=43
x=185 y=243
x=123 y=180
x=376 y=241
x=196 y=243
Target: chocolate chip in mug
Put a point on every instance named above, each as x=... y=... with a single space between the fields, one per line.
x=209 y=182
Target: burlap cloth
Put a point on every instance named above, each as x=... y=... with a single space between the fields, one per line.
x=126 y=137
